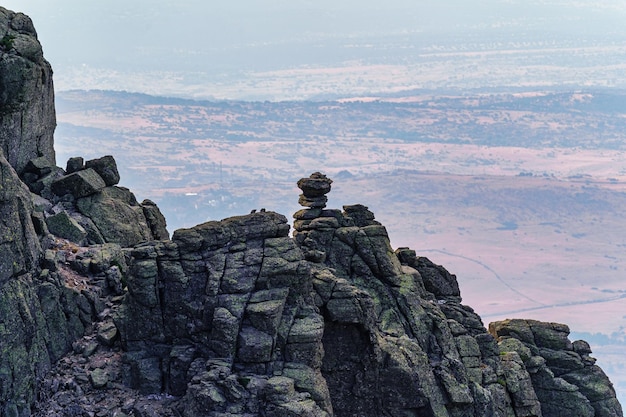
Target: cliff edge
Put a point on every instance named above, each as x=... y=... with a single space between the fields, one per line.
x=27 y=116
x=102 y=314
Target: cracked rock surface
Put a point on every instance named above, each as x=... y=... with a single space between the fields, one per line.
x=102 y=314
x=27 y=115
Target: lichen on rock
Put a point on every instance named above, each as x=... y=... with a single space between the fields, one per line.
x=566 y=380
x=27 y=115
x=102 y=314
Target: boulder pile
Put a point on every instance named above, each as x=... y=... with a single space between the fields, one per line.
x=84 y=204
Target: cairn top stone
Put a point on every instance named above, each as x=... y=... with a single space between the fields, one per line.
x=315 y=186
x=314 y=189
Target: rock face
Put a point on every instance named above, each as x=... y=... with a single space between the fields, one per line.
x=27 y=116
x=41 y=311
x=564 y=376
x=19 y=245
x=101 y=314
x=50 y=294
x=219 y=313
x=53 y=291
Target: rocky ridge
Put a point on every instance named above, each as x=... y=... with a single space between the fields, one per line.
x=102 y=314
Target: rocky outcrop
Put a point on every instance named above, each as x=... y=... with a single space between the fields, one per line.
x=391 y=346
x=27 y=116
x=237 y=318
x=20 y=248
x=52 y=290
x=27 y=122
x=101 y=314
x=86 y=206
x=564 y=376
x=22 y=350
x=52 y=293
x=218 y=313
x=42 y=311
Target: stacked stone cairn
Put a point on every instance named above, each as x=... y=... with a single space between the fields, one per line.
x=101 y=314
x=314 y=190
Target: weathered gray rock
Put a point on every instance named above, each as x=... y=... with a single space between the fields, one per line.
x=314 y=190
x=94 y=236
x=90 y=209
x=36 y=326
x=27 y=115
x=64 y=226
x=24 y=353
x=316 y=185
x=79 y=184
x=239 y=288
x=20 y=249
x=236 y=318
x=360 y=215
x=75 y=164
x=565 y=383
x=116 y=214
x=519 y=386
x=99 y=378
x=146 y=374
x=156 y=220
x=106 y=167
x=39 y=174
x=42 y=185
x=224 y=332
x=436 y=279
x=39 y=166
x=107 y=333
x=254 y=345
